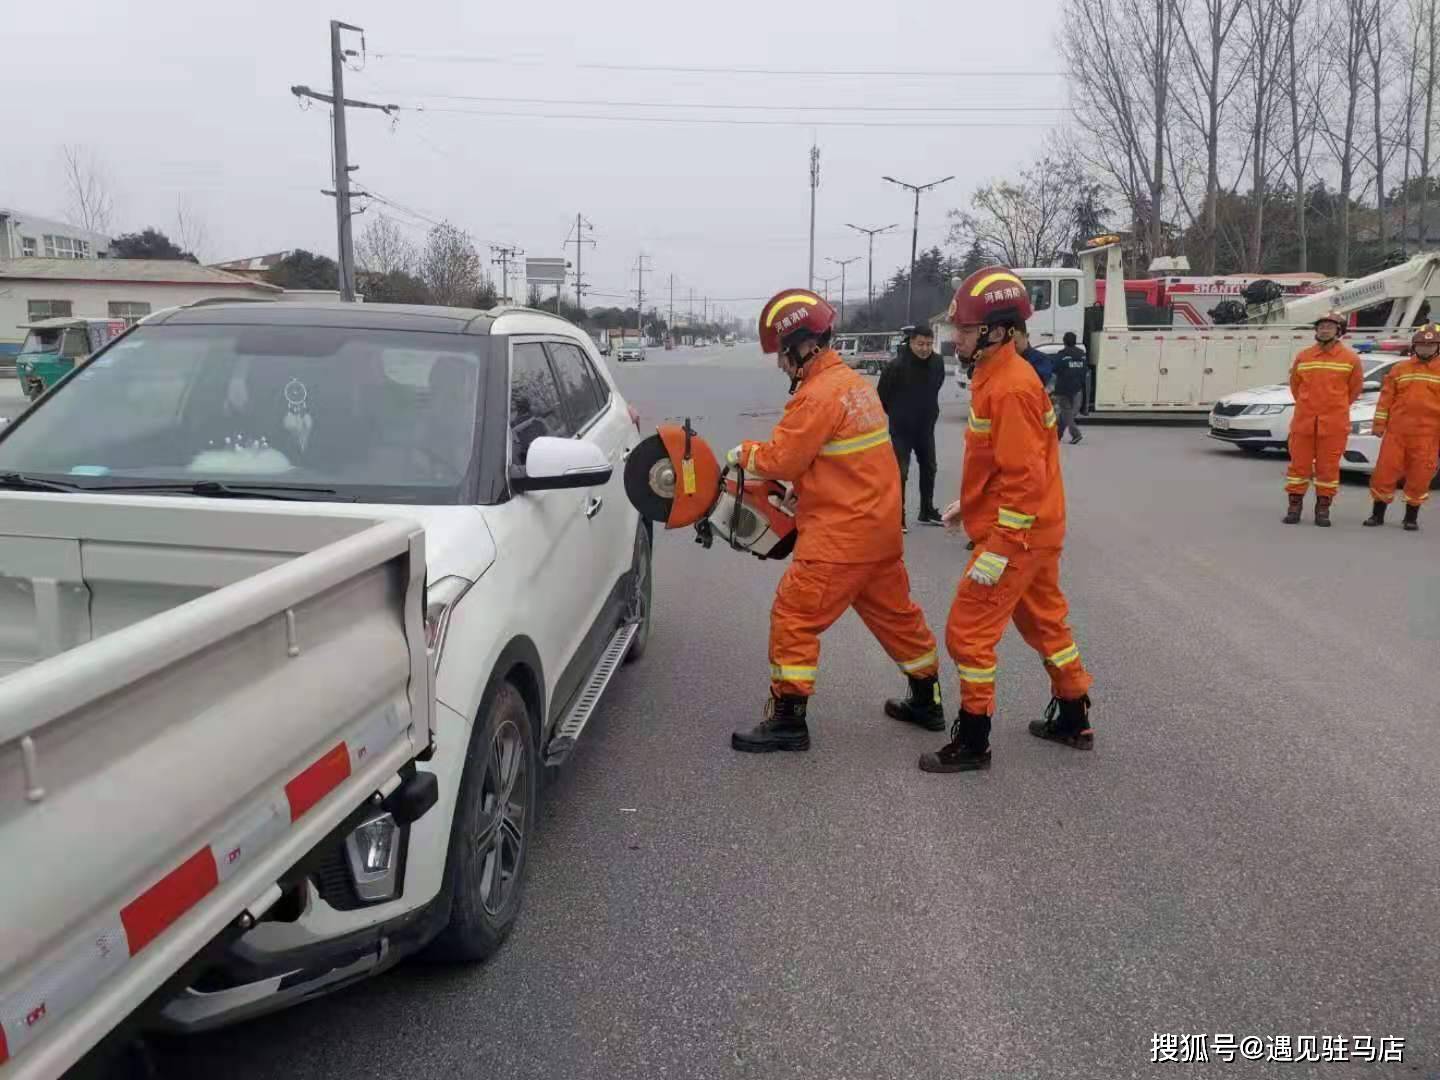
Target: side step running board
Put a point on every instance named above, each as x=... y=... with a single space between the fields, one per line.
x=568 y=732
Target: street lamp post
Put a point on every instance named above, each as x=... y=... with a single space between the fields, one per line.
x=914 y=236
x=842 y=263
x=870 y=271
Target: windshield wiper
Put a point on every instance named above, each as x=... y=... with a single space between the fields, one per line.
x=214 y=489
x=20 y=482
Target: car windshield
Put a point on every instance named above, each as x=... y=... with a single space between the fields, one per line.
x=376 y=415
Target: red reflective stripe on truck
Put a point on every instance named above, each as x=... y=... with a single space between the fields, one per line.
x=147 y=916
x=4 y=1050
x=317 y=781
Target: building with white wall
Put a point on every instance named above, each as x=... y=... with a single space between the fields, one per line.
x=40 y=288
x=24 y=235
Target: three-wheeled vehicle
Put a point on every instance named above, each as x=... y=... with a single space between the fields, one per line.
x=54 y=347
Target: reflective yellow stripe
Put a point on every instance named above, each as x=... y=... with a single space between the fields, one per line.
x=1417 y=377
x=979 y=425
x=1050 y=418
x=976 y=674
x=791 y=673
x=1320 y=365
x=919 y=662
x=750 y=459
x=1013 y=519
x=1067 y=655
x=1423 y=499
x=995 y=564
x=1327 y=483
x=991 y=279
x=787 y=301
x=1382 y=414
x=1297 y=479
x=853 y=445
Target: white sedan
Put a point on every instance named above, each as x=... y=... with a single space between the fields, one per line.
x=1259 y=419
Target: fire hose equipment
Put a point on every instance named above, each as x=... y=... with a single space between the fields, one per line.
x=673 y=477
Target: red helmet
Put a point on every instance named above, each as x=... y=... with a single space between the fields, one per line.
x=791 y=315
x=1429 y=334
x=989 y=296
x=1336 y=317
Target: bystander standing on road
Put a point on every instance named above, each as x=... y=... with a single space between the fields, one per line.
x=1071 y=369
x=909 y=390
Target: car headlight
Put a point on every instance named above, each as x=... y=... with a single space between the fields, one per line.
x=1263 y=410
x=372 y=850
x=1362 y=427
x=440 y=599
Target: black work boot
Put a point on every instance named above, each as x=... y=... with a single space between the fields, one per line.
x=1292 y=515
x=1068 y=722
x=1412 y=518
x=782 y=729
x=1322 y=510
x=1377 y=515
x=967 y=750
x=922 y=708
x=930 y=516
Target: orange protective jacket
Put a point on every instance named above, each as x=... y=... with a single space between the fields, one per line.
x=833 y=443
x=1410 y=399
x=1011 y=495
x=1325 y=379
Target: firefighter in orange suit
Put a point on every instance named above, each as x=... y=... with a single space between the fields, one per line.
x=1407 y=417
x=1325 y=379
x=1012 y=506
x=833 y=444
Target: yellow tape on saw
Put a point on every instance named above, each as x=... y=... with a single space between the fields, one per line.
x=687 y=468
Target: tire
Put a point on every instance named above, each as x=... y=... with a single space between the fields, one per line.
x=488 y=844
x=642 y=589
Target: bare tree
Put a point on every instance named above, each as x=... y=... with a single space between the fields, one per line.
x=383 y=248
x=1339 y=87
x=450 y=265
x=1212 y=76
x=1024 y=223
x=190 y=229
x=1379 y=26
x=1303 y=102
x=1121 y=59
x=1263 y=32
x=1429 y=17
x=89 y=203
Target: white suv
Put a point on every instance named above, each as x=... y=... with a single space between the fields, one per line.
x=503 y=434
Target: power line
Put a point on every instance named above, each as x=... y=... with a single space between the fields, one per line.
x=462 y=58
x=730 y=121
x=734 y=106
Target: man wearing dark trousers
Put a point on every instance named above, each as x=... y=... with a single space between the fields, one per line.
x=1072 y=367
x=910 y=392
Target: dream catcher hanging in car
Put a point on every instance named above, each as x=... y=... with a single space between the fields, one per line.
x=298 y=420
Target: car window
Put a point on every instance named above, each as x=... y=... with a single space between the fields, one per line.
x=1039 y=289
x=578 y=389
x=535 y=408
x=1069 y=292
x=1377 y=372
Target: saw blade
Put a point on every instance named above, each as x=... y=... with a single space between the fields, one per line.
x=650 y=479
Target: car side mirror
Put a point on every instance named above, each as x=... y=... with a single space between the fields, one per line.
x=553 y=464
x=1371 y=384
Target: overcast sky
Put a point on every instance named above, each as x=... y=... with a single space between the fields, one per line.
x=191 y=101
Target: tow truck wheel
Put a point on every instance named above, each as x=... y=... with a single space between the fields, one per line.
x=490 y=836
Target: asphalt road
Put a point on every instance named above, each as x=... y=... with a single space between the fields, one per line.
x=12 y=399
x=1252 y=848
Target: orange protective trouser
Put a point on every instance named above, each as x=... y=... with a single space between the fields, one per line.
x=1314 y=453
x=812 y=595
x=1411 y=456
x=1028 y=592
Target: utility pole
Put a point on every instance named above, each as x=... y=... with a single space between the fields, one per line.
x=692 y=305
x=842 y=263
x=579 y=233
x=671 y=321
x=825 y=281
x=814 y=185
x=914 y=236
x=503 y=255
x=640 y=269
x=870 y=274
x=344 y=242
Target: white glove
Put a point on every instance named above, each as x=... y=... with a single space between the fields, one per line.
x=733 y=457
x=987 y=568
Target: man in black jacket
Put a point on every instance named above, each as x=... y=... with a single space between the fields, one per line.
x=1072 y=368
x=910 y=391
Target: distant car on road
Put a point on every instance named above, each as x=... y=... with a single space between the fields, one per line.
x=1259 y=419
x=630 y=350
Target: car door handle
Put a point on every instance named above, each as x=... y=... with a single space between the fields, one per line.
x=593 y=506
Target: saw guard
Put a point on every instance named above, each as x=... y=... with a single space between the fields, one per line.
x=765 y=530
x=697 y=475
